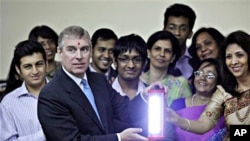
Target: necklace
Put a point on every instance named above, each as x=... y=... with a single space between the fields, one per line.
x=198 y=101
x=243 y=101
x=193 y=99
x=147 y=78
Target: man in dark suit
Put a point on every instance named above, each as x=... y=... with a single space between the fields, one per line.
x=69 y=110
x=103 y=42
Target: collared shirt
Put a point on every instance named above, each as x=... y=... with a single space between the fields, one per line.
x=18 y=116
x=77 y=80
x=93 y=70
x=116 y=85
x=183 y=65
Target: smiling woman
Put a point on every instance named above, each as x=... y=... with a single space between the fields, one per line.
x=230 y=100
x=20 y=16
x=163 y=51
x=47 y=37
x=206 y=43
x=206 y=77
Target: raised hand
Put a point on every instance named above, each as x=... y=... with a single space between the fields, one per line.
x=155 y=85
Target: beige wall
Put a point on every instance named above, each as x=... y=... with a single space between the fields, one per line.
x=142 y=17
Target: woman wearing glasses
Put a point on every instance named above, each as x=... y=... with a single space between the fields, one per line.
x=232 y=99
x=206 y=77
x=206 y=43
x=163 y=51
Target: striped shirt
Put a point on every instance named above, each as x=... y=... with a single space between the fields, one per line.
x=18 y=117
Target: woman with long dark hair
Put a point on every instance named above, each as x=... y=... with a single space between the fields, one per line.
x=232 y=98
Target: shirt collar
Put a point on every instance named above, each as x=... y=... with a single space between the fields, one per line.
x=23 y=91
x=93 y=70
x=77 y=80
x=187 y=53
x=116 y=85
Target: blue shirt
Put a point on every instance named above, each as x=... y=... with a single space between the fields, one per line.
x=18 y=117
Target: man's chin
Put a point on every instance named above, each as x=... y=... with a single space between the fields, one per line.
x=105 y=67
x=79 y=74
x=79 y=71
x=130 y=78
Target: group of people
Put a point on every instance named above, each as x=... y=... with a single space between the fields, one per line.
x=83 y=97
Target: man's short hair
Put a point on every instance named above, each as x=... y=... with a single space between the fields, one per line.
x=178 y=10
x=103 y=34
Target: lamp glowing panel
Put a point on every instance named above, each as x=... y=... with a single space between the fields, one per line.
x=156 y=115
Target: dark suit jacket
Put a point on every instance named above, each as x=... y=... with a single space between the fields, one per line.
x=112 y=74
x=65 y=113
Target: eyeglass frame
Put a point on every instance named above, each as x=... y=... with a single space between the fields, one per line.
x=200 y=73
x=182 y=28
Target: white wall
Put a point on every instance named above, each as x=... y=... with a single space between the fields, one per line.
x=142 y=17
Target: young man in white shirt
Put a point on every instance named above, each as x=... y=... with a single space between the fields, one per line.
x=130 y=57
x=18 y=109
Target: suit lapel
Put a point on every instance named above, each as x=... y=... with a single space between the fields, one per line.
x=112 y=73
x=98 y=95
x=79 y=97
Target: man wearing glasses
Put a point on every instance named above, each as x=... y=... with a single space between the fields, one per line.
x=130 y=55
x=179 y=19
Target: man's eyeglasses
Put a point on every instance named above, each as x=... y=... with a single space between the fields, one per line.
x=182 y=28
x=209 y=75
x=135 y=60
